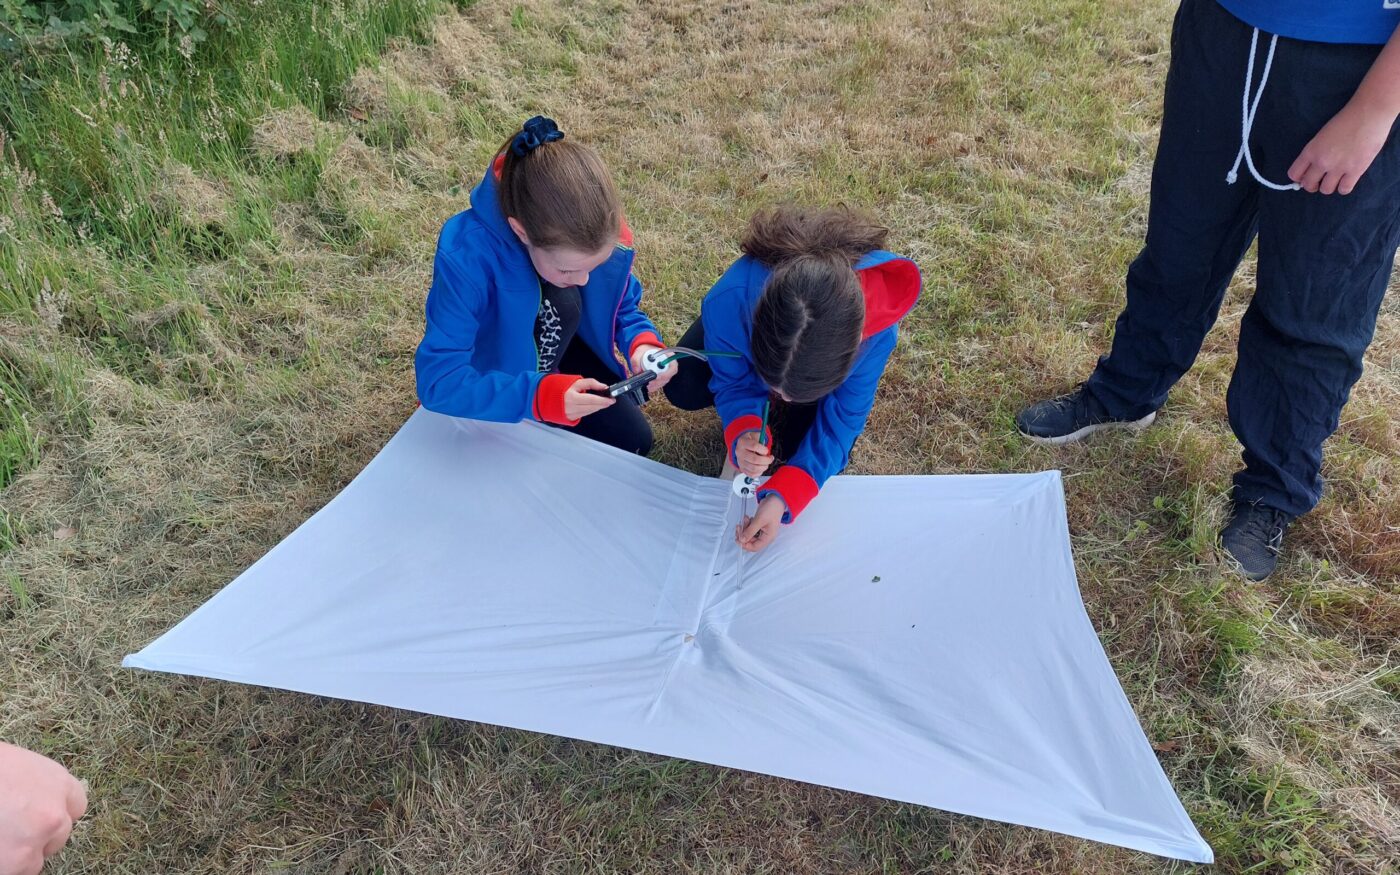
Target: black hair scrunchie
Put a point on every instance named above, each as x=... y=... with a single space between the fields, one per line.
x=534 y=134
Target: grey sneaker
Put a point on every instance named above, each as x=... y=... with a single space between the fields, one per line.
x=1070 y=418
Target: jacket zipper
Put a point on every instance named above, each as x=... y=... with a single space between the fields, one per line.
x=535 y=341
x=622 y=293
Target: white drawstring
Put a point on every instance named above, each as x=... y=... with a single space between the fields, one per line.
x=1247 y=112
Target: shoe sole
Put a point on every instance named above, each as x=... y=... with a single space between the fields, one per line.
x=1135 y=425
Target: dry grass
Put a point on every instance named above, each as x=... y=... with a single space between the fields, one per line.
x=1006 y=145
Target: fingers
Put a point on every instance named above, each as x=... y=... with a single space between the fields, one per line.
x=741 y=534
x=579 y=402
x=754 y=534
x=639 y=358
x=756 y=543
x=669 y=374
x=754 y=465
x=585 y=403
x=1300 y=166
x=752 y=443
x=1312 y=178
x=58 y=837
x=754 y=457
x=742 y=539
x=662 y=379
x=77 y=800
x=756 y=454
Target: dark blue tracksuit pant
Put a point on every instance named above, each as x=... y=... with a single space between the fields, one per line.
x=1324 y=260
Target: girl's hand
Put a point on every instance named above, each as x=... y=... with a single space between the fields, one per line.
x=752 y=456
x=578 y=402
x=662 y=378
x=1342 y=151
x=761 y=529
x=39 y=804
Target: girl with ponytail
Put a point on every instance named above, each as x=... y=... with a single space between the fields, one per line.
x=811 y=311
x=533 y=305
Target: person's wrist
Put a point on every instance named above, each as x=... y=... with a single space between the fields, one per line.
x=1379 y=111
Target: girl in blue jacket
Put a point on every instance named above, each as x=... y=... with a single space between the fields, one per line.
x=533 y=305
x=811 y=310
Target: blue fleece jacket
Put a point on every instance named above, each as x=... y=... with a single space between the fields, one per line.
x=478 y=358
x=1324 y=21
x=891 y=285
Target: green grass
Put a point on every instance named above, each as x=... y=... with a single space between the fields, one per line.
x=211 y=280
x=19 y=445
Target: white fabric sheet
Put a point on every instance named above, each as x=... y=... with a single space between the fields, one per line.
x=916 y=638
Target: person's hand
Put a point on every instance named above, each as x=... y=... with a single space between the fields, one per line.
x=761 y=529
x=662 y=378
x=1335 y=159
x=39 y=802
x=579 y=400
x=753 y=457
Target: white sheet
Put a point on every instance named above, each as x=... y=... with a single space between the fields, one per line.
x=917 y=638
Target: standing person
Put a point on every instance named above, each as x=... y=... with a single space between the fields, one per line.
x=1278 y=123
x=39 y=803
x=810 y=312
x=533 y=297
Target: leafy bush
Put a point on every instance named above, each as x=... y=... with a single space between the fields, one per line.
x=182 y=24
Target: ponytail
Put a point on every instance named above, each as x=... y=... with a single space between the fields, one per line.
x=558 y=190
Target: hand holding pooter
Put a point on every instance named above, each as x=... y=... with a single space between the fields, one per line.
x=638 y=362
x=582 y=399
x=758 y=531
x=752 y=455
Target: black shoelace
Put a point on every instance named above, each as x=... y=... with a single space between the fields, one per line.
x=1079 y=405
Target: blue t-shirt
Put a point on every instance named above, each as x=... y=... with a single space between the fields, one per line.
x=1323 y=21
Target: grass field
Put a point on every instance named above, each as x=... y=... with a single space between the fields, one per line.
x=211 y=279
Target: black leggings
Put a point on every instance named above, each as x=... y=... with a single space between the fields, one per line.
x=622 y=425
x=690 y=390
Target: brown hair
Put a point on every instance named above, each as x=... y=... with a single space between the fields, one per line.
x=563 y=195
x=808 y=322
